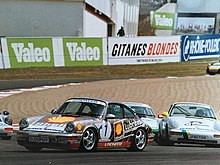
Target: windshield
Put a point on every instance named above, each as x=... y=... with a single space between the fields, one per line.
x=82 y=108
x=143 y=110
x=192 y=110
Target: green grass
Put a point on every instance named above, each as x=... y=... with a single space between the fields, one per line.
x=192 y=68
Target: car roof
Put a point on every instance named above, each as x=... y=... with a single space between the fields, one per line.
x=137 y=104
x=97 y=99
x=195 y=103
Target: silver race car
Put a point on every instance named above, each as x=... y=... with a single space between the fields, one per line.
x=147 y=115
x=188 y=122
x=6 y=128
x=85 y=124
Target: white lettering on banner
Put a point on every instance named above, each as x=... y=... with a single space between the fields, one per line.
x=202 y=46
x=30 y=53
x=163 y=21
x=82 y=53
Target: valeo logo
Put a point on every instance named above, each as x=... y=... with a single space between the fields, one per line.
x=83 y=51
x=30 y=52
x=163 y=20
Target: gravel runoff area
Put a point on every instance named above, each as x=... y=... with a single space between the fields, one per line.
x=159 y=93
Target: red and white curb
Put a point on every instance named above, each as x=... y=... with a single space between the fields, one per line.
x=7 y=93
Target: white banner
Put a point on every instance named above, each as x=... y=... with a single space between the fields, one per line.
x=143 y=50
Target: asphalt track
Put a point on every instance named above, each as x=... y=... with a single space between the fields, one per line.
x=13 y=154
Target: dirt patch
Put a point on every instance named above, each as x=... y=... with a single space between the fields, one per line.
x=159 y=93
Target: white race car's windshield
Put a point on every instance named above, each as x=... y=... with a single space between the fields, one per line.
x=75 y=108
x=143 y=110
x=192 y=111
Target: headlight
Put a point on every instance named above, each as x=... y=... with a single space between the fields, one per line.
x=70 y=127
x=8 y=120
x=23 y=123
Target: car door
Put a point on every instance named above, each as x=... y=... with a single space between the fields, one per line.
x=119 y=126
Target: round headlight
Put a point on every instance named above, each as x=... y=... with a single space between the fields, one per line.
x=23 y=123
x=8 y=120
x=70 y=127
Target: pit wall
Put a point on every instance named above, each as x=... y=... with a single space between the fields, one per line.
x=70 y=52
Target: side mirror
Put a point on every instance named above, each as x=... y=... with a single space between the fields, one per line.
x=5 y=113
x=110 y=116
x=164 y=114
x=53 y=111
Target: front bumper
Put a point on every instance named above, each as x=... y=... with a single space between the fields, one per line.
x=196 y=137
x=48 y=140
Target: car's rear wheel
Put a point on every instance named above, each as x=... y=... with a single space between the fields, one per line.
x=139 y=141
x=89 y=140
x=33 y=148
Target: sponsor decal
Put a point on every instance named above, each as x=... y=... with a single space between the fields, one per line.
x=163 y=21
x=113 y=144
x=27 y=52
x=118 y=129
x=87 y=101
x=83 y=51
x=193 y=123
x=201 y=46
x=131 y=125
x=60 y=119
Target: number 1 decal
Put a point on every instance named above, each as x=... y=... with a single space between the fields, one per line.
x=105 y=130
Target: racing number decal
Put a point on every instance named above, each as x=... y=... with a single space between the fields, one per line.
x=105 y=130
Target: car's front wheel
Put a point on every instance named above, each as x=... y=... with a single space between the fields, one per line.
x=89 y=140
x=139 y=140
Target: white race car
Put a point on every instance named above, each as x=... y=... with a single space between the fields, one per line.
x=147 y=115
x=6 y=128
x=188 y=122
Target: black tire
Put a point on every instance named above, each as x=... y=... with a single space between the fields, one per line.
x=33 y=148
x=139 y=141
x=161 y=140
x=6 y=138
x=164 y=141
x=89 y=140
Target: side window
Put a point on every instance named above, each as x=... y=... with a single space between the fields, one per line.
x=115 y=110
x=128 y=113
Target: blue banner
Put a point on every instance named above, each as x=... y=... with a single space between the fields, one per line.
x=200 y=46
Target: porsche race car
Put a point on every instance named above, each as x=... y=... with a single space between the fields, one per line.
x=213 y=68
x=188 y=122
x=85 y=124
x=6 y=128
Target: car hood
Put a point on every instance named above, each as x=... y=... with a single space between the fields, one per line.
x=57 y=123
x=194 y=123
x=152 y=122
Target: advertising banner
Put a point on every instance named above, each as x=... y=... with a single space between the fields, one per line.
x=195 y=25
x=200 y=46
x=164 y=21
x=83 y=51
x=27 y=52
x=143 y=50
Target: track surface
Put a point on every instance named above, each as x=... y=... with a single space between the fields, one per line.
x=12 y=154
